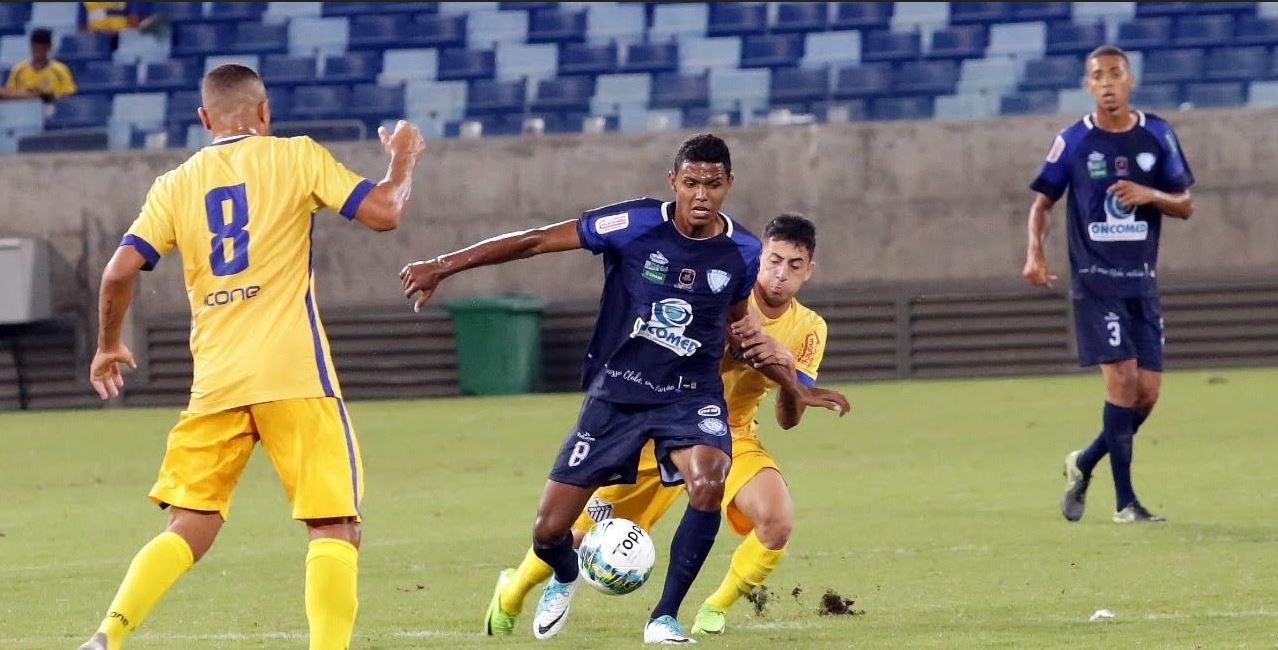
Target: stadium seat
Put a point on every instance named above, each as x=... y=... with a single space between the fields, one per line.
x=462 y=8
x=1240 y=8
x=141 y=48
x=672 y=20
x=320 y=102
x=401 y=65
x=284 y=70
x=1255 y=30
x=674 y=90
x=1032 y=102
x=698 y=53
x=80 y=139
x=1078 y=38
x=198 y=39
x=1074 y=101
x=616 y=92
x=182 y=104
x=147 y=110
x=308 y=36
x=377 y=31
x=466 y=64
x=961 y=42
x=1174 y=66
x=79 y=111
x=356 y=67
x=799 y=85
x=1024 y=11
x=174 y=74
x=1237 y=64
x=861 y=15
x=865 y=80
x=801 y=17
x=1156 y=96
x=372 y=104
x=967 y=106
x=107 y=77
x=582 y=58
x=564 y=94
x=436 y=31
x=981 y=12
x=281 y=99
x=13 y=17
x=1024 y=40
x=890 y=46
x=1218 y=94
x=1145 y=34
x=435 y=100
x=926 y=78
x=84 y=46
x=251 y=61
x=771 y=51
x=555 y=26
x=919 y=16
x=488 y=28
x=901 y=108
x=519 y=61
x=282 y=13
x=1165 y=8
x=699 y=118
x=739 y=90
x=180 y=12
x=61 y=17
x=1261 y=94
x=257 y=38
x=1053 y=72
x=1109 y=13
x=737 y=19
x=651 y=57
x=525 y=6
x=365 y=8
x=826 y=48
x=234 y=11
x=1204 y=31
x=610 y=23
x=991 y=76
x=488 y=97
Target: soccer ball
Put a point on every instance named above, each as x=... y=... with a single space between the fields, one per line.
x=617 y=556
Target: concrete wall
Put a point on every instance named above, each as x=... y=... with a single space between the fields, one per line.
x=922 y=203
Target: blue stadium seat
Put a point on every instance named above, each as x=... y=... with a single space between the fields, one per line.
x=1024 y=11
x=356 y=67
x=672 y=20
x=488 y=28
x=532 y=62
x=258 y=38
x=1237 y=64
x=1254 y=30
x=673 y=90
x=437 y=31
x=611 y=23
x=697 y=54
x=182 y=105
x=399 y=66
x=466 y=64
x=365 y=8
x=698 y=117
x=235 y=11
x=1240 y=8
x=799 y=85
x=487 y=97
x=772 y=51
x=1053 y=72
x=889 y=46
x=526 y=6
x=319 y=102
x=865 y=80
x=580 y=58
x=1069 y=37
x=377 y=31
x=107 y=77
x=564 y=94
x=738 y=89
x=861 y=15
x=617 y=92
x=1156 y=96
x=1174 y=66
x=200 y=39
x=1204 y=31
x=1218 y=94
x=279 y=70
x=832 y=48
x=281 y=100
x=801 y=17
x=1032 y=102
x=901 y=108
x=1017 y=40
x=980 y=12
x=1165 y=8
x=651 y=57
x=1145 y=34
x=85 y=46
x=960 y=42
x=173 y=74
x=737 y=19
x=180 y=12
x=926 y=78
x=554 y=26
x=373 y=103
x=60 y=141
x=80 y=111
x=13 y=17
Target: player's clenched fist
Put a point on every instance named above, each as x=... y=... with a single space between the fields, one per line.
x=407 y=140
x=421 y=276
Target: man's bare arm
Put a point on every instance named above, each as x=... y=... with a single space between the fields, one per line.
x=114 y=298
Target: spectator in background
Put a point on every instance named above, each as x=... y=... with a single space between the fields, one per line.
x=40 y=76
x=115 y=17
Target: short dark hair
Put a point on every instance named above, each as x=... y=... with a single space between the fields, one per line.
x=793 y=228
x=229 y=77
x=704 y=148
x=41 y=36
x=1109 y=50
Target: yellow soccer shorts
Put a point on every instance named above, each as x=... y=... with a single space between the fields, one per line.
x=646 y=500
x=310 y=442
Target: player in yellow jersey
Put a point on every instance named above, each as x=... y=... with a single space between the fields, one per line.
x=755 y=499
x=241 y=212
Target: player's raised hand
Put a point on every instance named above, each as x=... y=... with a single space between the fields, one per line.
x=1132 y=194
x=104 y=372
x=407 y=140
x=1036 y=272
x=826 y=399
x=421 y=277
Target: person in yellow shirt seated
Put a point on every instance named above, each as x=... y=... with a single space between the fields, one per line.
x=40 y=76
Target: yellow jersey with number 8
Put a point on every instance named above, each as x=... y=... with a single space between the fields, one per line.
x=241 y=214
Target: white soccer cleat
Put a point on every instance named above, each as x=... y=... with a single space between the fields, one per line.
x=665 y=630
x=552 y=609
x=98 y=642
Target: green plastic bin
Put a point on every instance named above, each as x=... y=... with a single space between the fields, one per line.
x=498 y=343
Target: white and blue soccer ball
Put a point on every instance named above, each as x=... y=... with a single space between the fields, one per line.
x=617 y=556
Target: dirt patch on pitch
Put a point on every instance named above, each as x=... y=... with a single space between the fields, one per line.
x=834 y=604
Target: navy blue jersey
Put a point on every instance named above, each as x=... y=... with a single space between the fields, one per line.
x=664 y=312
x=1113 y=248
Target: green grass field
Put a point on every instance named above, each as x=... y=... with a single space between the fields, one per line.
x=934 y=504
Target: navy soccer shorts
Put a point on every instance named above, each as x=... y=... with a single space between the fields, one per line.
x=1116 y=329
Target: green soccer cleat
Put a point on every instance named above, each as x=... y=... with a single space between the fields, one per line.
x=497 y=622
x=710 y=620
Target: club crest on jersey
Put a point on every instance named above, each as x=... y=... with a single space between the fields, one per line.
x=686 y=278
x=713 y=426
x=670 y=317
x=1120 y=166
x=718 y=279
x=598 y=509
x=654 y=270
x=1096 y=166
x=1146 y=160
x=1120 y=223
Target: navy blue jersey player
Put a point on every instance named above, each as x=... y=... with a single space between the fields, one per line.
x=677 y=281
x=1124 y=171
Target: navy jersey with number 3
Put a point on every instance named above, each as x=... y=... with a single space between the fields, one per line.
x=663 y=315
x=1113 y=248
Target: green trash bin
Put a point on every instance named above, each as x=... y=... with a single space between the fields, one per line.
x=498 y=343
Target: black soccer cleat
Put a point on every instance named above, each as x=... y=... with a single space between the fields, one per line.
x=1136 y=513
x=1075 y=498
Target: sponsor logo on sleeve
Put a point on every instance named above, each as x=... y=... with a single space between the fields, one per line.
x=612 y=223
x=1058 y=147
x=807 y=354
x=710 y=411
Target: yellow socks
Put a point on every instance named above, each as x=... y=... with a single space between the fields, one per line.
x=154 y=569
x=531 y=572
x=752 y=562
x=331 y=570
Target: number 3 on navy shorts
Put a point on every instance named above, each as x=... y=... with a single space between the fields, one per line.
x=1115 y=333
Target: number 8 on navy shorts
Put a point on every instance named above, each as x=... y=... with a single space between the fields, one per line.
x=1116 y=329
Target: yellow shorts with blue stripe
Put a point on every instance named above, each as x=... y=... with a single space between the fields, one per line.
x=646 y=500
x=310 y=442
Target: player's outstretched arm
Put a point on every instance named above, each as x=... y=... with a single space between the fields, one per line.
x=745 y=334
x=425 y=276
x=1036 y=272
x=384 y=206
x=113 y=301
x=1179 y=205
